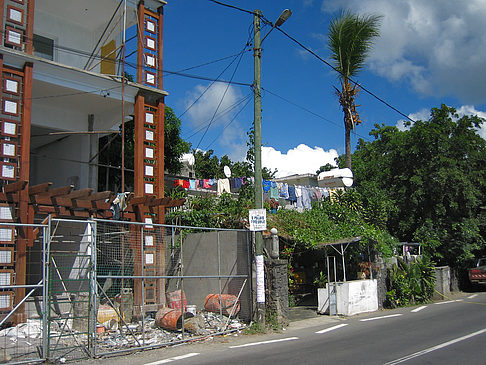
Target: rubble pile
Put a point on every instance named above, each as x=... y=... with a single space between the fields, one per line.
x=149 y=333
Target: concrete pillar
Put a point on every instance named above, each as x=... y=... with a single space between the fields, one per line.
x=277 y=290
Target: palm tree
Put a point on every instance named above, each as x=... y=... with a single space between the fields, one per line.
x=350 y=38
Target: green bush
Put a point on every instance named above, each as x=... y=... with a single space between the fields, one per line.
x=410 y=283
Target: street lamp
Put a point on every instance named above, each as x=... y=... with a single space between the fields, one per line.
x=257 y=88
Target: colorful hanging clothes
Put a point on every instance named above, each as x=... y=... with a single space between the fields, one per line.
x=284 y=191
x=223 y=186
x=266 y=185
x=292 y=198
x=274 y=193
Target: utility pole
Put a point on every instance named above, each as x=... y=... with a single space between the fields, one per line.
x=257 y=95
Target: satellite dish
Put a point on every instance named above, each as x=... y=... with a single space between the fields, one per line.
x=227 y=171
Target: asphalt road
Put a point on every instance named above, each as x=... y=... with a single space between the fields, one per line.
x=447 y=332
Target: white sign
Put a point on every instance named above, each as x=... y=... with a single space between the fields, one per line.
x=260 y=278
x=258 y=219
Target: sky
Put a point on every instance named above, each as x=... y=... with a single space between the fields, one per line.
x=429 y=53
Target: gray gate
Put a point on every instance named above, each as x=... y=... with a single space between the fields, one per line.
x=70 y=289
x=161 y=284
x=23 y=334
x=97 y=287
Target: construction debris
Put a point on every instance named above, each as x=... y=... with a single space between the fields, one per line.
x=149 y=333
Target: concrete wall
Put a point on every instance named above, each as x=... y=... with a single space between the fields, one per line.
x=59 y=162
x=442 y=282
x=203 y=256
x=68 y=35
x=353 y=297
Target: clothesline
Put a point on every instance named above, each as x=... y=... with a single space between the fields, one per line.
x=220 y=185
x=301 y=196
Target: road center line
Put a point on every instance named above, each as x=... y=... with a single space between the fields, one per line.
x=175 y=358
x=418 y=309
x=332 y=328
x=264 y=342
x=449 y=301
x=437 y=347
x=382 y=317
x=472 y=296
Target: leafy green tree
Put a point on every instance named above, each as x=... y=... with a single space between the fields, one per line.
x=432 y=179
x=174 y=146
x=326 y=167
x=350 y=38
x=206 y=165
x=110 y=153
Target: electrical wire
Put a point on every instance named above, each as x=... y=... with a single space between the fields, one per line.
x=339 y=125
x=220 y=115
x=335 y=69
x=225 y=91
x=233 y=7
x=101 y=37
x=76 y=93
x=267 y=21
x=229 y=123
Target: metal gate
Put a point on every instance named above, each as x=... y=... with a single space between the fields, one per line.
x=23 y=334
x=98 y=287
x=70 y=292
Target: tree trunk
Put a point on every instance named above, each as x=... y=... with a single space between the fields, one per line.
x=348 y=146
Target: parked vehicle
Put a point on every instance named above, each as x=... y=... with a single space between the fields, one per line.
x=477 y=275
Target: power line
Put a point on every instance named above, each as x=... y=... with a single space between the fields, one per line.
x=335 y=69
x=209 y=62
x=339 y=125
x=233 y=7
x=224 y=112
x=222 y=98
x=211 y=84
x=76 y=93
x=230 y=122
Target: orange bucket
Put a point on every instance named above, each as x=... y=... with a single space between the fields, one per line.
x=224 y=302
x=170 y=319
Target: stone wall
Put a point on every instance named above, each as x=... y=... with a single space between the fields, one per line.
x=442 y=282
x=277 y=290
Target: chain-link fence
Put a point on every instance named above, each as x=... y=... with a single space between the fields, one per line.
x=160 y=284
x=23 y=327
x=96 y=287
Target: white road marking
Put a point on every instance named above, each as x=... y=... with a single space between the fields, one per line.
x=264 y=342
x=175 y=358
x=449 y=301
x=382 y=317
x=472 y=296
x=437 y=347
x=332 y=328
x=418 y=309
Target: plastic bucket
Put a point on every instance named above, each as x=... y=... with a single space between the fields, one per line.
x=192 y=309
x=174 y=300
x=170 y=319
x=224 y=303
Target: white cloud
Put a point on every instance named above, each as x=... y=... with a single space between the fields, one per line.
x=299 y=160
x=218 y=106
x=424 y=115
x=471 y=110
x=438 y=46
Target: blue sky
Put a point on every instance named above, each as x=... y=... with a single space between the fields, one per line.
x=428 y=53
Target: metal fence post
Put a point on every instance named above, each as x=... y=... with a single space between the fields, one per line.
x=93 y=306
x=45 y=275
